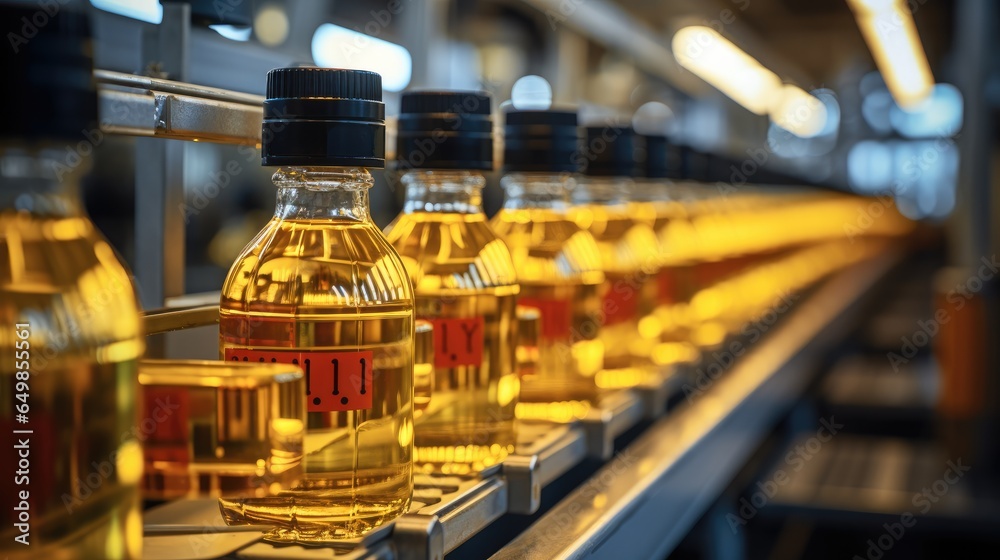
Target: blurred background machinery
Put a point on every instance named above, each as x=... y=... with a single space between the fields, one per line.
x=895 y=421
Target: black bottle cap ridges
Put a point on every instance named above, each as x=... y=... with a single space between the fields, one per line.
x=444 y=130
x=323 y=117
x=470 y=102
x=48 y=69
x=324 y=82
x=542 y=141
x=613 y=150
x=550 y=117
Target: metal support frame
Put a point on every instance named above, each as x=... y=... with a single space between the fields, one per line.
x=616 y=414
x=159 y=173
x=973 y=233
x=142 y=106
x=423 y=25
x=445 y=512
x=159 y=220
x=970 y=223
x=538 y=463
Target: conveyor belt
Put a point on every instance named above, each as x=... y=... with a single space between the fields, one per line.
x=644 y=499
x=446 y=510
x=671 y=474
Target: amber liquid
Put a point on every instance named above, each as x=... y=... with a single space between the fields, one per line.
x=423 y=366
x=61 y=278
x=674 y=282
x=629 y=254
x=558 y=266
x=331 y=285
x=660 y=214
x=241 y=437
x=462 y=271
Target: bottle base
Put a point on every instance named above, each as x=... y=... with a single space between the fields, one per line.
x=309 y=519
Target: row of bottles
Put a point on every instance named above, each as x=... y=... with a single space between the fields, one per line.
x=322 y=288
x=71 y=335
x=354 y=357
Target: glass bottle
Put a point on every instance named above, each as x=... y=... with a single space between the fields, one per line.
x=72 y=335
x=657 y=200
x=629 y=254
x=464 y=282
x=653 y=203
x=558 y=263
x=322 y=288
x=224 y=428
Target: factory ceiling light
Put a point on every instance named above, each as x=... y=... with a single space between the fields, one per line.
x=891 y=34
x=725 y=66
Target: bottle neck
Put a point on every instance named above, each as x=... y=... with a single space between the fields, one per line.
x=537 y=190
x=322 y=193
x=444 y=191
x=603 y=190
x=40 y=182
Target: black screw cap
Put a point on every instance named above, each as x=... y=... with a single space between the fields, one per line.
x=323 y=117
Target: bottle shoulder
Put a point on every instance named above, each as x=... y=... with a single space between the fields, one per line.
x=547 y=245
x=627 y=243
x=451 y=252
x=322 y=263
x=70 y=285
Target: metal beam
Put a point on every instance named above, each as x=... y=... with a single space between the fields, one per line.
x=610 y=25
x=143 y=107
x=159 y=173
x=970 y=223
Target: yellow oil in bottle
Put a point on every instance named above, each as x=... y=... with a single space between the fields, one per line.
x=651 y=205
x=558 y=265
x=465 y=285
x=321 y=288
x=222 y=428
x=333 y=287
x=72 y=323
x=423 y=366
x=628 y=249
x=629 y=254
x=529 y=335
x=71 y=335
x=559 y=269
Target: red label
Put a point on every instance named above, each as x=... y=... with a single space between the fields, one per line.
x=666 y=285
x=335 y=381
x=169 y=408
x=556 y=316
x=458 y=342
x=619 y=304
